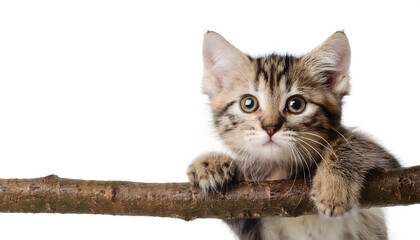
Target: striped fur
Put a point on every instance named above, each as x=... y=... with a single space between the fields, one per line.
x=273 y=142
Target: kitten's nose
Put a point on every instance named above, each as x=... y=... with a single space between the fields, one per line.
x=271 y=129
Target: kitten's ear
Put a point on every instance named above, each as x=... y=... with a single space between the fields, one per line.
x=221 y=61
x=332 y=60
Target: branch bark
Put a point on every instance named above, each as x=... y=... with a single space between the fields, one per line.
x=287 y=198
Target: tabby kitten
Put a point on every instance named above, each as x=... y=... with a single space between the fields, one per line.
x=280 y=117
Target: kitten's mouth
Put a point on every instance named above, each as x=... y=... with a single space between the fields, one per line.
x=271 y=143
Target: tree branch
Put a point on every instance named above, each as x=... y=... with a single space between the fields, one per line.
x=286 y=198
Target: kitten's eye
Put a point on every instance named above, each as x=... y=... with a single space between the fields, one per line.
x=249 y=104
x=295 y=104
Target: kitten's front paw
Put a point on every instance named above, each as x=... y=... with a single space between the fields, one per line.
x=333 y=194
x=211 y=171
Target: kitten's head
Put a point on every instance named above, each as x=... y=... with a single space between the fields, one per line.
x=276 y=108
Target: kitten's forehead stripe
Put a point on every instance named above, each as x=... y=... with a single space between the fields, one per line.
x=256 y=84
x=272 y=68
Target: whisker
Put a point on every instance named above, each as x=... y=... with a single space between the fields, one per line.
x=340 y=135
x=307 y=166
x=308 y=153
x=319 y=144
x=295 y=161
x=301 y=161
x=319 y=136
x=313 y=149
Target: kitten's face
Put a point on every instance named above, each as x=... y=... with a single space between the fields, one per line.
x=275 y=108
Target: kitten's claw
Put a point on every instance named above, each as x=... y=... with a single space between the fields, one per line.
x=211 y=171
x=330 y=209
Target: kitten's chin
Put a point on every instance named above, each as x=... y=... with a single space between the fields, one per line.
x=271 y=151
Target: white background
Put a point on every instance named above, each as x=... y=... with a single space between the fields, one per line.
x=110 y=90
